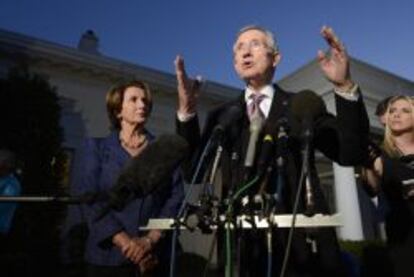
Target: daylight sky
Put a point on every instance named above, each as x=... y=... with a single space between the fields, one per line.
x=152 y=32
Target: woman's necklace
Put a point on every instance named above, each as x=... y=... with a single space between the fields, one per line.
x=405 y=149
x=136 y=141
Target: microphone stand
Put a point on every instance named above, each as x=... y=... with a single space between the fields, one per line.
x=228 y=223
x=205 y=213
x=277 y=196
x=40 y=199
x=232 y=114
x=84 y=198
x=181 y=212
x=269 y=240
x=309 y=199
x=217 y=158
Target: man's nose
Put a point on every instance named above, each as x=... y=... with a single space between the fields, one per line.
x=246 y=52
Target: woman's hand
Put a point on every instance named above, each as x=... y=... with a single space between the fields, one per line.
x=371 y=177
x=148 y=263
x=133 y=248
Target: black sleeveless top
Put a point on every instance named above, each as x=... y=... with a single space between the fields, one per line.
x=398 y=181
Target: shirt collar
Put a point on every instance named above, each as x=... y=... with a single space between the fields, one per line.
x=267 y=90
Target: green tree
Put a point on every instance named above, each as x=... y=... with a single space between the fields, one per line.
x=29 y=124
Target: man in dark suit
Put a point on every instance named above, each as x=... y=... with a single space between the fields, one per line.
x=342 y=138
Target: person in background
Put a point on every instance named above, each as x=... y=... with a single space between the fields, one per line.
x=392 y=172
x=9 y=186
x=114 y=245
x=382 y=109
x=378 y=199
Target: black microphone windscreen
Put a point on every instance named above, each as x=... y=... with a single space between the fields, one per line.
x=307 y=105
x=153 y=166
x=266 y=153
x=148 y=171
x=230 y=115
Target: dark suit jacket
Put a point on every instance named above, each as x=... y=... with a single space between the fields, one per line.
x=342 y=138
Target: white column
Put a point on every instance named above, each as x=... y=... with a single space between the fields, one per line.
x=347 y=203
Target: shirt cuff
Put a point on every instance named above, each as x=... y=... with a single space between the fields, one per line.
x=182 y=117
x=352 y=94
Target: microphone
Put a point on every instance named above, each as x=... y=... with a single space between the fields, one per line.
x=146 y=172
x=282 y=142
x=256 y=124
x=226 y=118
x=267 y=150
x=266 y=153
x=306 y=107
x=218 y=123
x=272 y=145
x=274 y=148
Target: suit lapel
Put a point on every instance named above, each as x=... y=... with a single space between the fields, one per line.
x=278 y=109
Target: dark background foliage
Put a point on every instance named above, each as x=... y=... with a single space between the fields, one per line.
x=29 y=124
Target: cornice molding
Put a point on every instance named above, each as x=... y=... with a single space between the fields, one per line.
x=45 y=53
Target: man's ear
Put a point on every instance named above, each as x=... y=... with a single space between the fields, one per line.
x=276 y=58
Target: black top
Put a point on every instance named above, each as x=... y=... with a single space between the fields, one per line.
x=398 y=180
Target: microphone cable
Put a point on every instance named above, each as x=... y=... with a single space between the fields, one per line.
x=228 y=271
x=303 y=175
x=183 y=206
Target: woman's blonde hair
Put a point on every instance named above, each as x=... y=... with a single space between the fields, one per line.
x=389 y=144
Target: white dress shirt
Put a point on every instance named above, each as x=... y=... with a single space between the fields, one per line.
x=266 y=103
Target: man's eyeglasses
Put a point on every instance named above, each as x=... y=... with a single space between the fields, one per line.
x=252 y=45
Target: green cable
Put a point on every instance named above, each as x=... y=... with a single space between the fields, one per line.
x=245 y=187
x=229 y=272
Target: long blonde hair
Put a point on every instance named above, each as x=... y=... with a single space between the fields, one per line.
x=389 y=144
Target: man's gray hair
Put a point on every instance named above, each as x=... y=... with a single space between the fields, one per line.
x=271 y=40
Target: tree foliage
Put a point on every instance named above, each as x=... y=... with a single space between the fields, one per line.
x=29 y=124
x=29 y=120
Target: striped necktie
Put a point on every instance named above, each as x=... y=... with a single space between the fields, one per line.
x=254 y=106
